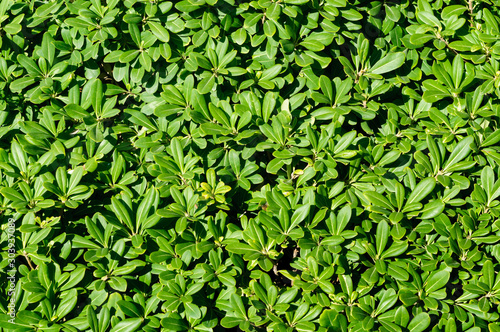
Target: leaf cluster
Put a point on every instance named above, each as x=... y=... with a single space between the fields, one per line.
x=290 y=165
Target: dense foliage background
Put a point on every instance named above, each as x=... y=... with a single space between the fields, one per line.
x=288 y=165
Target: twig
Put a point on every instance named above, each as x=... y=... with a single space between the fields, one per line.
x=28 y=260
x=471 y=8
x=447 y=44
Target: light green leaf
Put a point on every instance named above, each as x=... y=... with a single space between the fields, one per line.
x=128 y=325
x=206 y=85
x=436 y=281
x=378 y=200
x=420 y=322
x=432 y=209
x=461 y=150
x=159 y=31
x=424 y=188
x=388 y=63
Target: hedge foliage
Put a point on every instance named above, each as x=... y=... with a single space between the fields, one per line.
x=279 y=165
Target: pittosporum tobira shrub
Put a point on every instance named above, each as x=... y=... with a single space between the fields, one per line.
x=271 y=165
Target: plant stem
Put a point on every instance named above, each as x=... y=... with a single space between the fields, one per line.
x=28 y=260
x=447 y=44
x=471 y=8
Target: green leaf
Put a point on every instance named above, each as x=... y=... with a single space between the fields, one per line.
x=461 y=45
x=388 y=63
x=299 y=216
x=268 y=105
x=328 y=318
x=35 y=130
x=78 y=22
x=140 y=119
x=29 y=65
x=241 y=249
x=428 y=18
x=175 y=324
x=21 y=83
x=420 y=38
x=344 y=142
x=12 y=194
x=378 y=200
x=491 y=139
x=432 y=209
x=420 y=322
x=230 y=322
x=67 y=304
x=296 y=2
x=206 y=85
x=92 y=319
x=177 y=153
x=130 y=309
x=436 y=281
x=387 y=301
x=351 y=15
x=128 y=56
x=461 y=150
x=270 y=73
x=239 y=36
x=96 y=95
x=308 y=174
x=382 y=236
x=159 y=31
x=238 y=306
x=127 y=325
x=424 y=188
x=192 y=310
x=122 y=213
x=452 y=10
